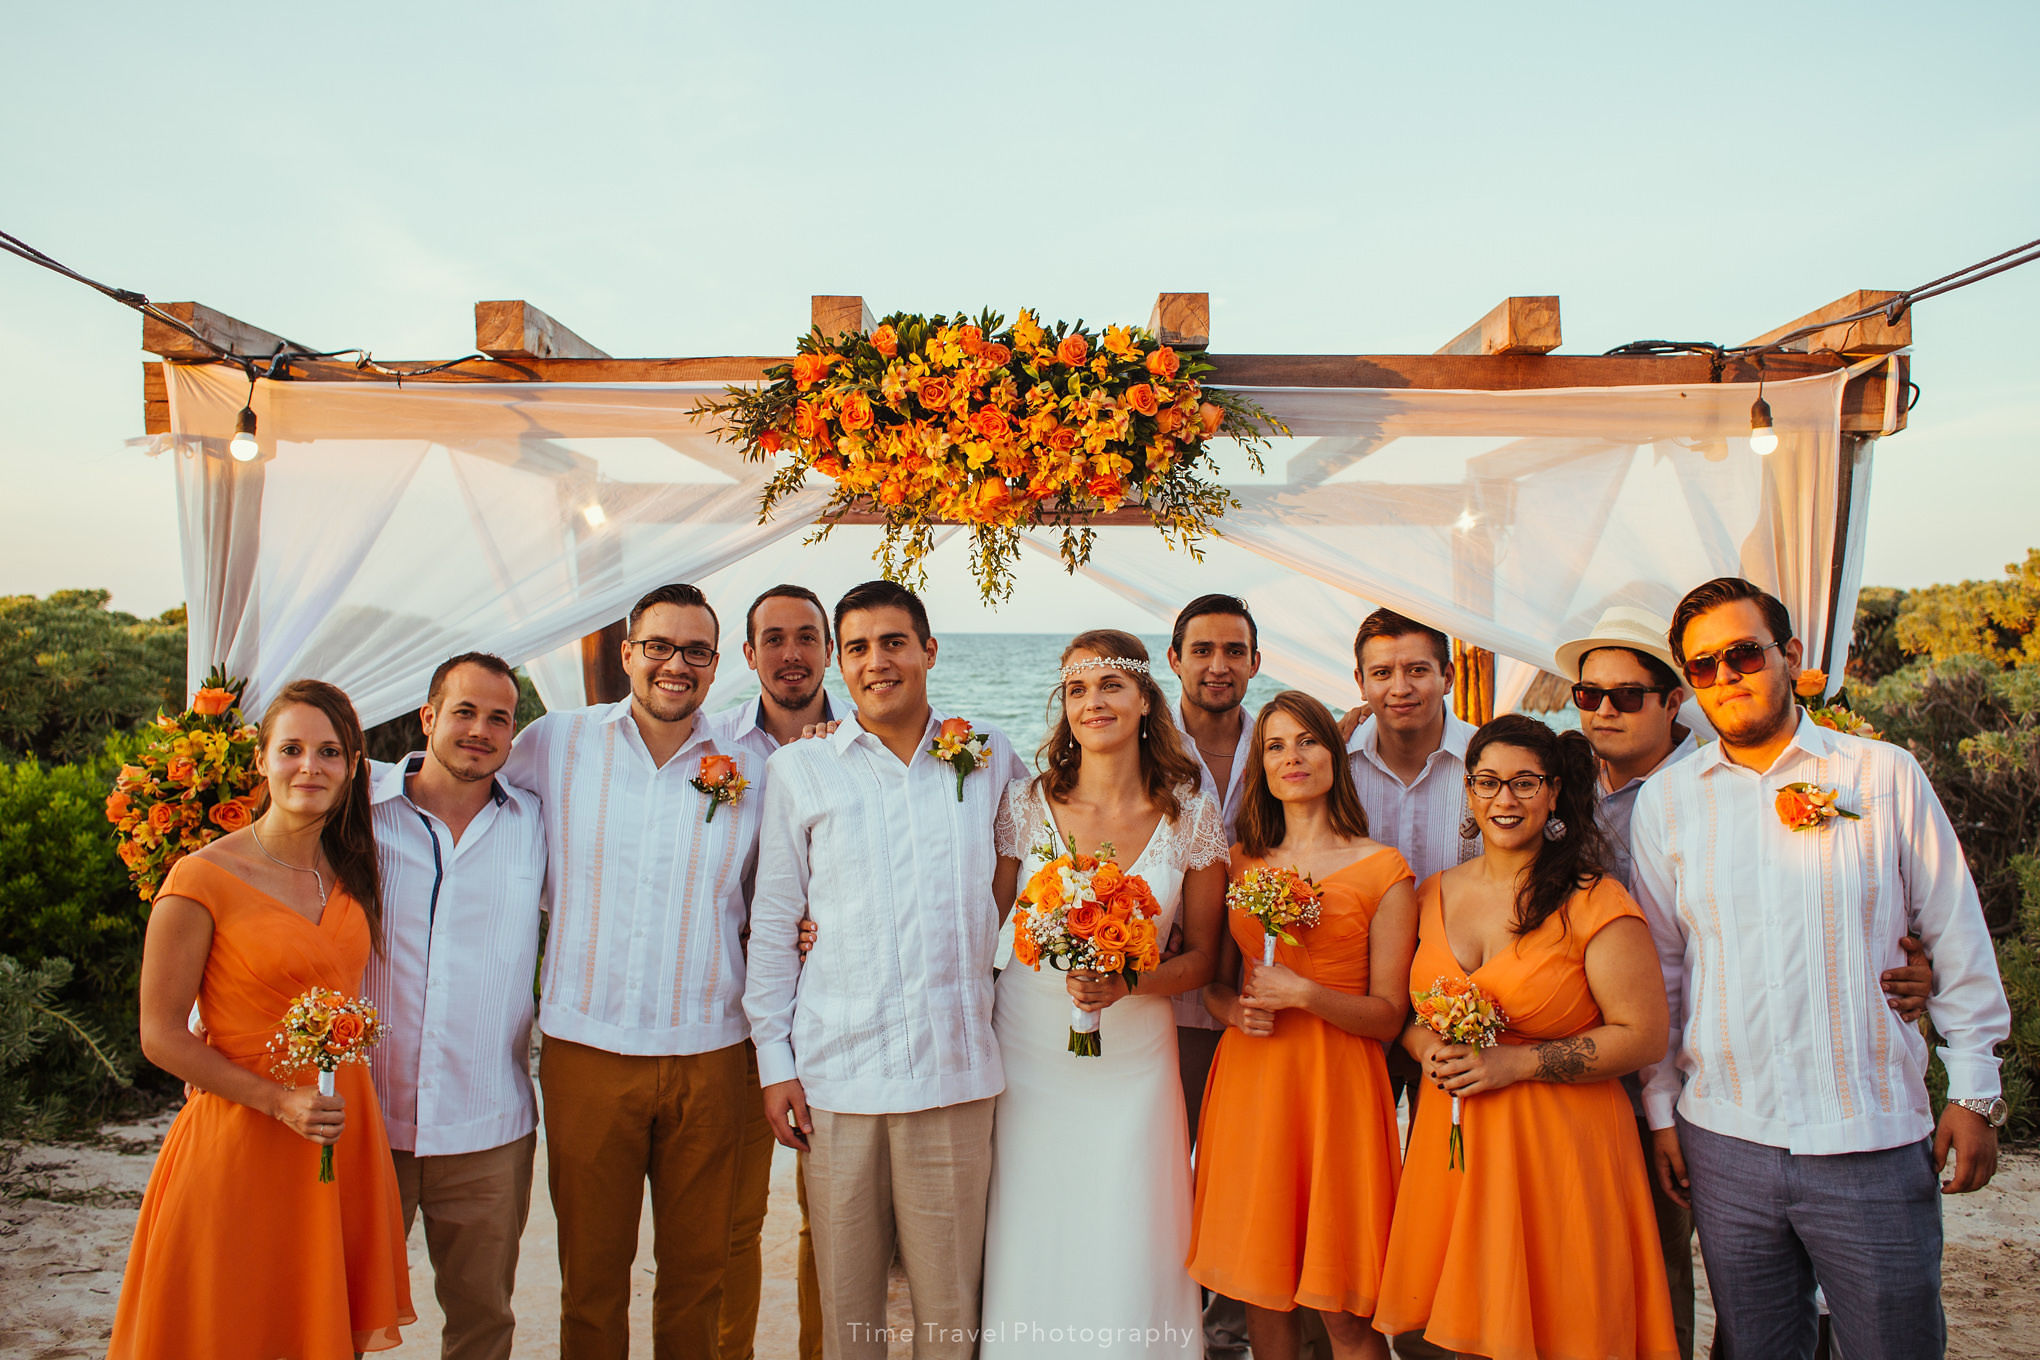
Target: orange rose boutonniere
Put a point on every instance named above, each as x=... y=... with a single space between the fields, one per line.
x=961 y=749
x=1808 y=807
x=721 y=781
x=322 y=1030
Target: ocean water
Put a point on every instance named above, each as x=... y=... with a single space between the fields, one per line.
x=1006 y=680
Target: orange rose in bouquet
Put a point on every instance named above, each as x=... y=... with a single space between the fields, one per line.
x=721 y=781
x=321 y=1030
x=1085 y=912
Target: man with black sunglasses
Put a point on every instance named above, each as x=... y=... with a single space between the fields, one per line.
x=1778 y=869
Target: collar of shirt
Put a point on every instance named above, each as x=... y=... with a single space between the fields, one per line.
x=391 y=781
x=851 y=730
x=1458 y=732
x=701 y=734
x=1809 y=741
x=750 y=718
x=1227 y=798
x=1679 y=753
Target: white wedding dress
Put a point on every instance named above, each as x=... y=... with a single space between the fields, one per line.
x=1088 y=1228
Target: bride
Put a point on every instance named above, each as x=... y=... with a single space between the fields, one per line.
x=1088 y=1227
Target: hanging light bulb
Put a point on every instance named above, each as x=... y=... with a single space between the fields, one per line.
x=1467 y=519
x=594 y=514
x=1763 y=438
x=243 y=446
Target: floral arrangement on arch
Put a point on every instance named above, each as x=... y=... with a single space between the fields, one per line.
x=932 y=419
x=193 y=781
x=1834 y=714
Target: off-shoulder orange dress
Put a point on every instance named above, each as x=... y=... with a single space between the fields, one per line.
x=240 y=1253
x=1543 y=1246
x=1297 y=1149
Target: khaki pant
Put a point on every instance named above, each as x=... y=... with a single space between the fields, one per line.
x=916 y=1182
x=743 y=1283
x=475 y=1205
x=612 y=1121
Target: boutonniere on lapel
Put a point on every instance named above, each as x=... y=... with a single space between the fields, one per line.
x=721 y=782
x=1808 y=807
x=961 y=749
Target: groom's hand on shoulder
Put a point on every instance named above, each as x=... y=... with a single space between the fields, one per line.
x=786 y=1107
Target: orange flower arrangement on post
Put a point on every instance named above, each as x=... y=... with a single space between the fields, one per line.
x=193 y=782
x=939 y=418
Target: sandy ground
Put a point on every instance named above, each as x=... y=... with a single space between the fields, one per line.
x=69 y=1212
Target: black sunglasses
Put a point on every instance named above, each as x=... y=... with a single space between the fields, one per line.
x=1628 y=698
x=1744 y=658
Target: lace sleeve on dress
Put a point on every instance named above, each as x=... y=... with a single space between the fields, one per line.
x=1015 y=822
x=1208 y=842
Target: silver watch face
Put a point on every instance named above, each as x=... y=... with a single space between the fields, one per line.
x=1994 y=1110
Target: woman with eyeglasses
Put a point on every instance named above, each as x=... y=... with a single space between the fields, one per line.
x=1542 y=1241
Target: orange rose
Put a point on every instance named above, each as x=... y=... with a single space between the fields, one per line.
x=1811 y=684
x=162 y=817
x=1062 y=439
x=935 y=393
x=716 y=768
x=856 y=412
x=1112 y=935
x=892 y=493
x=1106 y=881
x=1211 y=416
x=346 y=1031
x=806 y=420
x=989 y=422
x=886 y=341
x=1073 y=350
x=1083 y=920
x=210 y=703
x=996 y=354
x=954 y=729
x=809 y=369
x=772 y=441
x=1106 y=489
x=1163 y=363
x=1025 y=950
x=231 y=815
x=829 y=465
x=1168 y=418
x=1141 y=398
x=116 y=807
x=1795 y=809
x=1109 y=961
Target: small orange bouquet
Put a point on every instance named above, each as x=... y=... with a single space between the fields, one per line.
x=1459 y=1012
x=961 y=749
x=321 y=1030
x=1279 y=899
x=1808 y=807
x=1084 y=911
x=721 y=781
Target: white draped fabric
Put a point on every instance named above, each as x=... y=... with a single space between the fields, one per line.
x=387 y=527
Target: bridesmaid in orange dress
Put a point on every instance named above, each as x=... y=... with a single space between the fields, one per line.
x=240 y=1252
x=1297 y=1151
x=1543 y=1244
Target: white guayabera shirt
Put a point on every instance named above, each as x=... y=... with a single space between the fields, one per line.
x=1772 y=942
x=452 y=982
x=1421 y=820
x=892 y=1010
x=645 y=954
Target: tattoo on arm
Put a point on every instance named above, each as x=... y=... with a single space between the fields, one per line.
x=1564 y=1059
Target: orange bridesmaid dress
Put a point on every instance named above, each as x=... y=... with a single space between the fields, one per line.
x=1297 y=1149
x=1543 y=1246
x=240 y=1253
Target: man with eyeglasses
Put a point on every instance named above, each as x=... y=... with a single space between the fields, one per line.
x=1778 y=869
x=644 y=1062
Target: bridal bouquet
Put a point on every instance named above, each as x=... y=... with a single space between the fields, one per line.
x=321 y=1030
x=1083 y=911
x=1459 y=1012
x=1278 y=899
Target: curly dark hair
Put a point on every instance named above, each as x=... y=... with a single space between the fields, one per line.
x=1580 y=858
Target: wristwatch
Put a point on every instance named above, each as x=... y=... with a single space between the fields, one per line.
x=1993 y=1110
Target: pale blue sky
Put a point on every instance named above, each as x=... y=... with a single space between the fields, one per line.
x=675 y=179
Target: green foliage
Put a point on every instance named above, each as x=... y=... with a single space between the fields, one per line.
x=72 y=670
x=31 y=1020
x=1997 y=620
x=2019 y=964
x=1873 y=647
x=1975 y=729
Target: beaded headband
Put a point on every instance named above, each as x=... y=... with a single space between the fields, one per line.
x=1118 y=663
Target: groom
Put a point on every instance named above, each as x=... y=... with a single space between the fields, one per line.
x=877 y=1057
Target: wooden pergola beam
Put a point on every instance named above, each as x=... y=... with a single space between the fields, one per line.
x=229 y=333
x=1517 y=325
x=1182 y=320
x=1872 y=335
x=518 y=330
x=835 y=314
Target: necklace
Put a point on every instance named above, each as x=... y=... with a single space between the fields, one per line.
x=317 y=877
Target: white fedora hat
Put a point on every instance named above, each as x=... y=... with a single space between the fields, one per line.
x=1621 y=626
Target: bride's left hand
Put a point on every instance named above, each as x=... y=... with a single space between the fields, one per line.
x=1092 y=991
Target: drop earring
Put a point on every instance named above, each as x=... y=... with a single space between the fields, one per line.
x=1554 y=829
x=1469 y=829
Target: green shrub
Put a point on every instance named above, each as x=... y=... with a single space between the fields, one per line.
x=37 y=1092
x=1873 y=647
x=72 y=671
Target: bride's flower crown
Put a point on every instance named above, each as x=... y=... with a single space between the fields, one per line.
x=1117 y=663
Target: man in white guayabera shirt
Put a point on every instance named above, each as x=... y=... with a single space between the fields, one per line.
x=877 y=1056
x=643 y=1065
x=462 y=858
x=1791 y=1110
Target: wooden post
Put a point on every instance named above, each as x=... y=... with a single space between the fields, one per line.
x=1517 y=325
x=835 y=314
x=602 y=674
x=518 y=330
x=1182 y=320
x=1473 y=682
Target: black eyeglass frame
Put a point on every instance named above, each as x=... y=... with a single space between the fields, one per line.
x=694 y=653
x=1628 y=698
x=1751 y=652
x=1536 y=782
